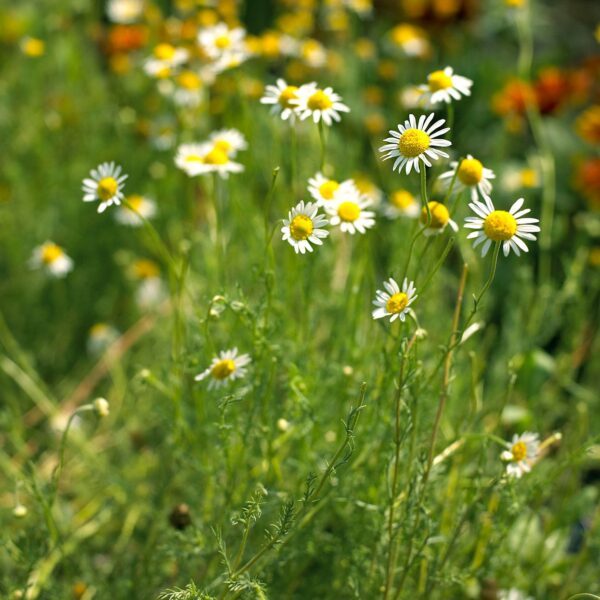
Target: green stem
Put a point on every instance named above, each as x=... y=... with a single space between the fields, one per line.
x=424 y=200
x=323 y=143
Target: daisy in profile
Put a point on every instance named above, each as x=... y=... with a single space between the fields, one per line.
x=280 y=96
x=227 y=366
x=136 y=206
x=105 y=184
x=230 y=141
x=445 y=86
x=52 y=258
x=218 y=41
x=165 y=58
x=521 y=453
x=319 y=104
x=324 y=190
x=415 y=142
x=394 y=302
x=304 y=226
x=509 y=227
x=439 y=220
x=402 y=204
x=348 y=211
x=201 y=159
x=471 y=175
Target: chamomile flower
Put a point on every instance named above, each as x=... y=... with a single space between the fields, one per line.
x=508 y=227
x=188 y=89
x=324 y=190
x=348 y=211
x=100 y=337
x=164 y=59
x=471 y=175
x=227 y=366
x=410 y=39
x=230 y=141
x=319 y=104
x=304 y=226
x=218 y=41
x=520 y=454
x=105 y=185
x=415 y=142
x=394 y=302
x=124 y=12
x=52 y=258
x=439 y=220
x=445 y=86
x=200 y=159
x=402 y=203
x=137 y=206
x=280 y=97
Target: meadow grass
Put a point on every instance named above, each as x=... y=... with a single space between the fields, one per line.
x=357 y=458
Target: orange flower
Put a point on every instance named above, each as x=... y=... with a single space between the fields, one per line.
x=513 y=98
x=125 y=38
x=552 y=89
x=588 y=124
x=587 y=181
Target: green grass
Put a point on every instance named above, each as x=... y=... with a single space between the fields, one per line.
x=357 y=493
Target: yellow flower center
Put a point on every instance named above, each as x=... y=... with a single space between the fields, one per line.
x=470 y=171
x=301 y=227
x=397 y=303
x=135 y=201
x=439 y=215
x=529 y=178
x=189 y=80
x=348 y=211
x=216 y=157
x=413 y=142
x=328 y=189
x=164 y=51
x=319 y=101
x=519 y=451
x=223 y=369
x=222 y=42
x=145 y=269
x=223 y=145
x=500 y=225
x=402 y=199
x=107 y=188
x=402 y=34
x=33 y=47
x=287 y=95
x=438 y=80
x=50 y=253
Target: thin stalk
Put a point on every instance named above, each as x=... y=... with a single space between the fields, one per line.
x=424 y=200
x=323 y=143
x=447 y=370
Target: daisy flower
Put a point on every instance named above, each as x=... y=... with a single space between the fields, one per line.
x=200 y=159
x=280 y=97
x=402 y=204
x=320 y=104
x=124 y=12
x=348 y=211
x=230 y=141
x=100 y=337
x=164 y=59
x=188 y=90
x=471 y=175
x=104 y=184
x=410 y=39
x=141 y=206
x=501 y=226
x=218 y=40
x=304 y=226
x=313 y=53
x=521 y=452
x=394 y=302
x=440 y=219
x=52 y=259
x=225 y=367
x=414 y=142
x=444 y=86
x=323 y=190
